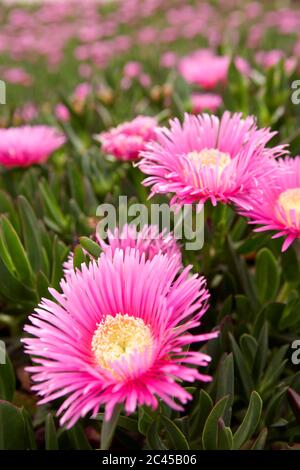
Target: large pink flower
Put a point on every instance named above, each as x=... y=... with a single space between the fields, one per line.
x=28 y=145
x=126 y=141
x=207 y=70
x=209 y=158
x=118 y=334
x=277 y=206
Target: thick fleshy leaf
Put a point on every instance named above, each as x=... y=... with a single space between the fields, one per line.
x=177 y=439
x=267 y=275
x=51 y=441
x=250 y=421
x=7 y=378
x=12 y=427
x=210 y=431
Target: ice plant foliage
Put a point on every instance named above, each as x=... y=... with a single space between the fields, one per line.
x=28 y=145
x=118 y=334
x=277 y=206
x=126 y=141
x=207 y=158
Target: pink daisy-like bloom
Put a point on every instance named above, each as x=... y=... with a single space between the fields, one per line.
x=118 y=334
x=126 y=141
x=207 y=158
x=276 y=206
x=205 y=102
x=149 y=241
x=28 y=145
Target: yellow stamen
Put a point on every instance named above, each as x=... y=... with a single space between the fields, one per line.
x=118 y=337
x=209 y=158
x=289 y=200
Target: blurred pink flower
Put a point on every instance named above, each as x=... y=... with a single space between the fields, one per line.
x=205 y=102
x=126 y=141
x=28 y=145
x=168 y=59
x=132 y=69
x=145 y=80
x=85 y=70
x=62 y=113
x=208 y=70
x=82 y=91
x=17 y=76
x=268 y=59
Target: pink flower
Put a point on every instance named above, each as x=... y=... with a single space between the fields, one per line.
x=132 y=69
x=276 y=206
x=205 y=102
x=29 y=112
x=126 y=141
x=168 y=59
x=28 y=145
x=17 y=76
x=118 y=334
x=206 y=158
x=62 y=113
x=207 y=70
x=145 y=80
x=85 y=70
x=82 y=91
x=148 y=241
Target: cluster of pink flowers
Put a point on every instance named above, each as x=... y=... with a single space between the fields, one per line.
x=134 y=71
x=126 y=141
x=268 y=59
x=100 y=37
x=227 y=161
x=120 y=329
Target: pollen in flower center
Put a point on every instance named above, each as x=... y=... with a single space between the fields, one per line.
x=117 y=337
x=290 y=200
x=210 y=158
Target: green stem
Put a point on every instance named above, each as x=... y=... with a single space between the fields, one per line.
x=109 y=427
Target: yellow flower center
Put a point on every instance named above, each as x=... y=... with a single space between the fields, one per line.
x=289 y=200
x=118 y=337
x=210 y=158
